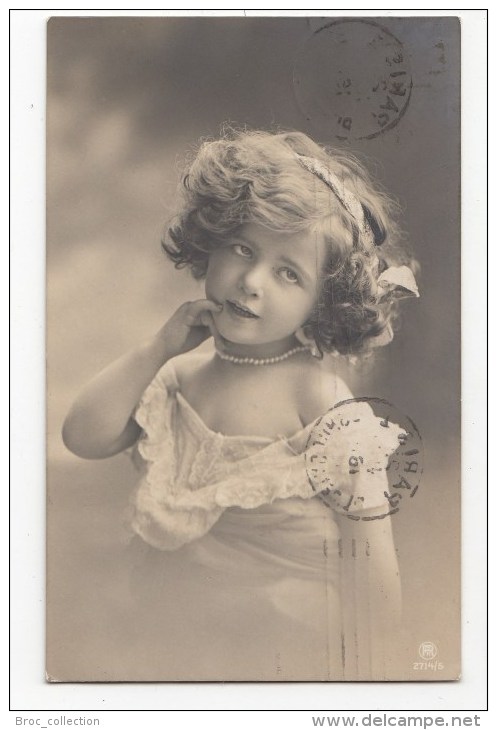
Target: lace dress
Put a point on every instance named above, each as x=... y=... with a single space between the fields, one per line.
x=235 y=571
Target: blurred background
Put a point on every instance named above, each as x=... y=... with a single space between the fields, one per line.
x=128 y=101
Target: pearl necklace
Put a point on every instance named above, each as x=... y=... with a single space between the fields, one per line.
x=261 y=360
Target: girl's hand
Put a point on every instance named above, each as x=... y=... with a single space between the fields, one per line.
x=100 y=422
x=189 y=326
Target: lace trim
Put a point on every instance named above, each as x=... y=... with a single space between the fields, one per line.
x=225 y=472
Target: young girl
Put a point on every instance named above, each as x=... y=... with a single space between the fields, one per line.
x=243 y=570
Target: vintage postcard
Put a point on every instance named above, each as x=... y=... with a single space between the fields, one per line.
x=253 y=332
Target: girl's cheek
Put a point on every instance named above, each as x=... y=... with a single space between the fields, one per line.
x=212 y=279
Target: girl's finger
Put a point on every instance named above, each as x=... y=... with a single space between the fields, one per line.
x=208 y=321
x=195 y=310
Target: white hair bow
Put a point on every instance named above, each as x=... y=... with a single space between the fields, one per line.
x=399 y=282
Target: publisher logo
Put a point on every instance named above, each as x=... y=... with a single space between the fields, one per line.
x=427 y=650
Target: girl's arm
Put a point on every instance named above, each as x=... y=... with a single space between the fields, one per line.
x=370 y=596
x=100 y=422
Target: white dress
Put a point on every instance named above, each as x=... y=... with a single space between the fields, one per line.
x=235 y=564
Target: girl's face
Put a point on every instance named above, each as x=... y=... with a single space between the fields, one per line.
x=267 y=283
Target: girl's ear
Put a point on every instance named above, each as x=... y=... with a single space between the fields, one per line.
x=303 y=335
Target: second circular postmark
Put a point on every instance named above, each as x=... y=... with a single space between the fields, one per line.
x=364 y=458
x=352 y=77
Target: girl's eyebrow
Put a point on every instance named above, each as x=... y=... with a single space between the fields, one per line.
x=248 y=241
x=295 y=265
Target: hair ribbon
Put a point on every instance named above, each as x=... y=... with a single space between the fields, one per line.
x=343 y=195
x=396 y=281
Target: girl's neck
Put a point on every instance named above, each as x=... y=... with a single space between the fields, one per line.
x=260 y=351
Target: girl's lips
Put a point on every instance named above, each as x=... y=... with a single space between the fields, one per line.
x=240 y=310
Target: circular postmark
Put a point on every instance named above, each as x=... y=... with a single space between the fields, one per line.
x=353 y=78
x=364 y=458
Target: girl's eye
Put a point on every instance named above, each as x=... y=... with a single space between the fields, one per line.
x=289 y=275
x=242 y=250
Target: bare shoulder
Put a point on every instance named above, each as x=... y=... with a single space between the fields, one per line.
x=188 y=366
x=319 y=390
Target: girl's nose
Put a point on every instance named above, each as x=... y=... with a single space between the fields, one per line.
x=251 y=283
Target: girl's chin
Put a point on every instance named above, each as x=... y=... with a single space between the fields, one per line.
x=247 y=333
x=232 y=341
x=236 y=333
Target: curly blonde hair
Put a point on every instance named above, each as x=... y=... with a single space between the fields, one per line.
x=255 y=177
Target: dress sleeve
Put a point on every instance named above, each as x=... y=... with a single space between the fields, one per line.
x=154 y=414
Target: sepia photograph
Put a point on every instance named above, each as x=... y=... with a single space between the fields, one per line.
x=253 y=349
